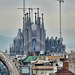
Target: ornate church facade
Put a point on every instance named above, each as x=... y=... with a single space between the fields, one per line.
x=33 y=37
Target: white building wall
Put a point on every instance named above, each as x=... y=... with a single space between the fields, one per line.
x=72 y=62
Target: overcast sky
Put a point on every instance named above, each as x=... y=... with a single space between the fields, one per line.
x=11 y=18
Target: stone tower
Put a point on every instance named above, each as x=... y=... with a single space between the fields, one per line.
x=34 y=33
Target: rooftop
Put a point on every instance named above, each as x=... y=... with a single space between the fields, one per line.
x=28 y=59
x=51 y=57
x=43 y=67
x=64 y=71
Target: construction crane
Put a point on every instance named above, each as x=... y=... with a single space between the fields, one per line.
x=60 y=32
x=24 y=9
x=30 y=10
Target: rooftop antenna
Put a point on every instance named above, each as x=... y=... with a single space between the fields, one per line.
x=60 y=33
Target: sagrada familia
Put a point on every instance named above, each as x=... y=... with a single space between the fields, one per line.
x=33 y=38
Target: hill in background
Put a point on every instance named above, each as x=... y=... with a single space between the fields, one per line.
x=5 y=42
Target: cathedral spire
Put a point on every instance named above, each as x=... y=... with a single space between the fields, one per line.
x=29 y=12
x=23 y=20
x=38 y=18
x=38 y=12
x=27 y=20
x=42 y=21
x=35 y=17
x=29 y=17
x=25 y=17
x=42 y=18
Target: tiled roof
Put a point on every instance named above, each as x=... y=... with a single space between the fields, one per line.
x=63 y=71
x=54 y=57
x=30 y=58
x=51 y=57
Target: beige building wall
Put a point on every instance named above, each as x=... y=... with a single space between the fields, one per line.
x=42 y=72
x=72 y=62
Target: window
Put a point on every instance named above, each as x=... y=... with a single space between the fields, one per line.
x=47 y=73
x=42 y=73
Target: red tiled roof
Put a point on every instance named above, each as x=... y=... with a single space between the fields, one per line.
x=64 y=71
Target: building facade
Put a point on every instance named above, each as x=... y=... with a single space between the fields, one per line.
x=54 y=45
x=72 y=62
x=32 y=38
x=17 y=46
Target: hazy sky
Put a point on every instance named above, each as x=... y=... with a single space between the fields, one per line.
x=11 y=18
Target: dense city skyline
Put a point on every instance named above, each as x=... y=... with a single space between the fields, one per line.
x=11 y=17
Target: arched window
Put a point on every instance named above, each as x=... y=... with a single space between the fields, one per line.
x=34 y=44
